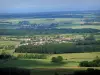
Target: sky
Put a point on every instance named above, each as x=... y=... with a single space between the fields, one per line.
x=29 y=6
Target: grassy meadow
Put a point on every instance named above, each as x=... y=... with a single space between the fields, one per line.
x=70 y=60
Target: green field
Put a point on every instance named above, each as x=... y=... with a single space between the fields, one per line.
x=76 y=23
x=9 y=42
x=43 y=20
x=70 y=60
x=60 y=71
x=79 y=26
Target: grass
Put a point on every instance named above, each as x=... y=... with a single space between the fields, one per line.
x=59 y=71
x=9 y=42
x=73 y=60
x=26 y=63
x=77 y=56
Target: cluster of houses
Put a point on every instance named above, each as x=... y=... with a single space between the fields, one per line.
x=41 y=40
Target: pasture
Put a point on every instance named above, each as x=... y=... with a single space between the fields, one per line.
x=70 y=60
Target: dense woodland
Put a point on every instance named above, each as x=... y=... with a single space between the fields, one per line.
x=51 y=48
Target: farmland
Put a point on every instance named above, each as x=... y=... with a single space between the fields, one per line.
x=70 y=60
x=49 y=44
x=59 y=23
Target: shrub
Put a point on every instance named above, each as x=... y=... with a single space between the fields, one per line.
x=94 y=63
x=84 y=64
x=60 y=58
x=54 y=59
x=5 y=56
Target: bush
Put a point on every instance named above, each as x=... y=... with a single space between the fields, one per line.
x=54 y=59
x=84 y=64
x=5 y=56
x=60 y=58
x=94 y=63
x=89 y=71
x=57 y=59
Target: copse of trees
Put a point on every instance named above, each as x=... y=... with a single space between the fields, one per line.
x=94 y=63
x=57 y=59
x=89 y=71
x=88 y=42
x=6 y=56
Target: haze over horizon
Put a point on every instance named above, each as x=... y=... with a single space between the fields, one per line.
x=29 y=6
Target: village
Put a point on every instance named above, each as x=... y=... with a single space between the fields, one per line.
x=40 y=40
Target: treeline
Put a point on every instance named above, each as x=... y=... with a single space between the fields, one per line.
x=45 y=31
x=31 y=56
x=89 y=71
x=88 y=42
x=6 y=56
x=57 y=48
x=46 y=48
x=94 y=63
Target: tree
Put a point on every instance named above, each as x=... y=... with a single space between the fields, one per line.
x=84 y=64
x=90 y=37
x=94 y=63
x=60 y=58
x=5 y=56
x=54 y=59
x=57 y=59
